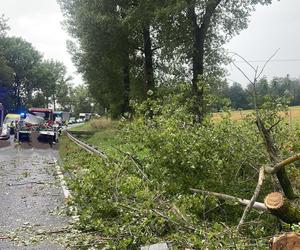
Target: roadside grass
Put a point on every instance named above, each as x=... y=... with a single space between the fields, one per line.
x=102 y=133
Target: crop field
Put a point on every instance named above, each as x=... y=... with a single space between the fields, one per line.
x=292 y=116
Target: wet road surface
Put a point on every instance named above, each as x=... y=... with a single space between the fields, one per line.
x=31 y=198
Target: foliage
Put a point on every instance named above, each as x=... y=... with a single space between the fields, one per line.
x=3 y=26
x=266 y=89
x=125 y=48
x=81 y=100
x=129 y=211
x=27 y=79
x=143 y=195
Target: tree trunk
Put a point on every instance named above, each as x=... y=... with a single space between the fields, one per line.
x=274 y=155
x=199 y=33
x=54 y=103
x=148 y=63
x=126 y=82
x=282 y=208
x=287 y=241
x=17 y=92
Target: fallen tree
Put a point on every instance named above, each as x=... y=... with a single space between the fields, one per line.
x=275 y=203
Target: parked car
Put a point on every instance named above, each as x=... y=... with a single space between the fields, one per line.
x=72 y=120
x=4 y=132
x=11 y=120
x=85 y=116
x=79 y=120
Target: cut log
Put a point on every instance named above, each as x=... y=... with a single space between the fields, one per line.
x=282 y=208
x=287 y=241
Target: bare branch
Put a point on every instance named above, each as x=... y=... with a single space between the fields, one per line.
x=256 y=205
x=242 y=72
x=248 y=208
x=270 y=58
x=236 y=54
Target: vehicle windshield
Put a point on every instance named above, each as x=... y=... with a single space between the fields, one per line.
x=10 y=120
x=45 y=115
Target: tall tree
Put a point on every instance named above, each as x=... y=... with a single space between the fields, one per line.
x=3 y=26
x=49 y=79
x=21 y=57
x=197 y=29
x=104 y=53
x=238 y=96
x=115 y=36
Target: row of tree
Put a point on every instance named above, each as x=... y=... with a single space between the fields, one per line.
x=124 y=48
x=241 y=98
x=27 y=80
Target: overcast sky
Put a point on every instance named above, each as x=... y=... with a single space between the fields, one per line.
x=39 y=22
x=271 y=27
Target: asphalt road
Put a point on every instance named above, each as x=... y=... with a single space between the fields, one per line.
x=31 y=199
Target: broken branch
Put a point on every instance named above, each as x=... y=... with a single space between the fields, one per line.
x=254 y=197
x=256 y=205
x=280 y=165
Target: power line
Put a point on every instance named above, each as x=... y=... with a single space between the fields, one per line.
x=278 y=60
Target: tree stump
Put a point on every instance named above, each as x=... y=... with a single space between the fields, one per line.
x=282 y=208
x=287 y=241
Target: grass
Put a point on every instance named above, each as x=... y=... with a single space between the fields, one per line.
x=103 y=133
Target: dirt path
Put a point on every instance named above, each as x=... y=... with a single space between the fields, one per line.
x=30 y=197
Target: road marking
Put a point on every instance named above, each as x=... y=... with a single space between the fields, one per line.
x=66 y=191
x=63 y=183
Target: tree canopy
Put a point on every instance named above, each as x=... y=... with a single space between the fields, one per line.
x=125 y=48
x=26 y=79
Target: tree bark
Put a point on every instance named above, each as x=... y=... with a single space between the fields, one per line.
x=148 y=60
x=248 y=208
x=282 y=164
x=282 y=208
x=17 y=92
x=126 y=82
x=199 y=33
x=286 y=241
x=274 y=157
x=245 y=202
